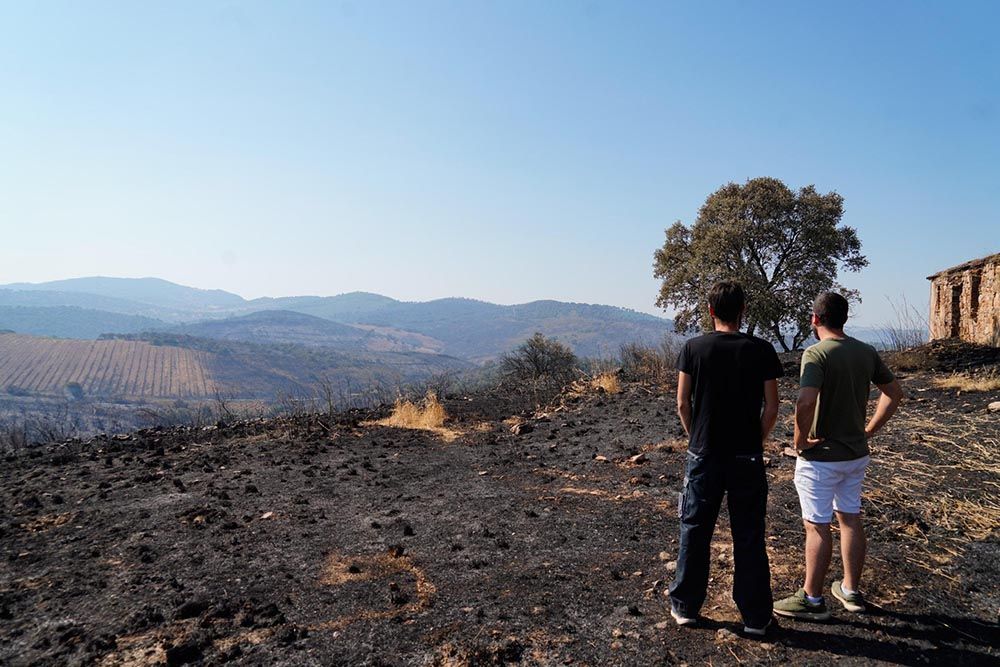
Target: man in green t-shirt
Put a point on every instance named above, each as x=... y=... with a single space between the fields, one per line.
x=831 y=438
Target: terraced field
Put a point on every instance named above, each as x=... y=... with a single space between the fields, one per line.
x=103 y=367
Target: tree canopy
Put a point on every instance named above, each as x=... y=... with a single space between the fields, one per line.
x=783 y=246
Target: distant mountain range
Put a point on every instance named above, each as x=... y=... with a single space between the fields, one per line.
x=464 y=328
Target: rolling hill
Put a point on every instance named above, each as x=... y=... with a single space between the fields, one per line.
x=154 y=291
x=72 y=321
x=277 y=326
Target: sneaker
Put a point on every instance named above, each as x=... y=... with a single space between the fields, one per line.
x=851 y=601
x=682 y=619
x=757 y=632
x=797 y=606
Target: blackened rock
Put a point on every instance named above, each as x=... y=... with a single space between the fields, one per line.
x=145 y=618
x=184 y=653
x=191 y=608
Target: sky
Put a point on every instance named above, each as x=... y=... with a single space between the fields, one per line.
x=506 y=151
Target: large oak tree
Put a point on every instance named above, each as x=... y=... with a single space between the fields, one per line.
x=783 y=246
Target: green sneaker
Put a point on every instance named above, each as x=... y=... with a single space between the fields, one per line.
x=797 y=606
x=851 y=601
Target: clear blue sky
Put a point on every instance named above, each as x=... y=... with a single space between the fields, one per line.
x=506 y=151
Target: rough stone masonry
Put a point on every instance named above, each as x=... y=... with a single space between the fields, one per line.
x=965 y=302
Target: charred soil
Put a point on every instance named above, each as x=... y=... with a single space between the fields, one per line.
x=334 y=541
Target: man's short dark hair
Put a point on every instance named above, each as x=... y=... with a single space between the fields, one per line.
x=727 y=299
x=831 y=310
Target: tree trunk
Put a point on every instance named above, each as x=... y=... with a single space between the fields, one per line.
x=781 y=339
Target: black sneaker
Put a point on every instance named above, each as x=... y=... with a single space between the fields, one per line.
x=681 y=619
x=757 y=632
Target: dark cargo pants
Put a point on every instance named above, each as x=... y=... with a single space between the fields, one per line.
x=743 y=481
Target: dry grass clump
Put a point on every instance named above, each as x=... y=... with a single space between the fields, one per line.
x=427 y=415
x=989 y=381
x=608 y=382
x=937 y=520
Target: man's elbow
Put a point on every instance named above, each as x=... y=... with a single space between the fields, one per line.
x=683 y=407
x=807 y=408
x=893 y=391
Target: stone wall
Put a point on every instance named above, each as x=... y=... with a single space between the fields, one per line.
x=965 y=302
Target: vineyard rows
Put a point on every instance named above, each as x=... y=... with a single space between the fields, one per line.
x=109 y=368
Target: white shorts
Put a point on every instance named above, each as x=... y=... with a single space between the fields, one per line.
x=828 y=486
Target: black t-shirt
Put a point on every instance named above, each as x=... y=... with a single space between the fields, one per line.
x=728 y=372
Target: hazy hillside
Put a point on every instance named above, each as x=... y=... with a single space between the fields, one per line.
x=41 y=298
x=278 y=326
x=71 y=321
x=155 y=291
x=479 y=330
x=350 y=307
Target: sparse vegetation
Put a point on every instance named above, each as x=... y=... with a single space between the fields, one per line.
x=649 y=364
x=985 y=381
x=539 y=367
x=607 y=382
x=907 y=330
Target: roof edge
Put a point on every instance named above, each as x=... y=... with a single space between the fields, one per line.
x=971 y=264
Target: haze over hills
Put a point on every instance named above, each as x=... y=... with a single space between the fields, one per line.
x=155 y=291
x=465 y=328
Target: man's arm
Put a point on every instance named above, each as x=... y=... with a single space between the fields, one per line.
x=684 y=386
x=891 y=396
x=770 y=414
x=805 y=412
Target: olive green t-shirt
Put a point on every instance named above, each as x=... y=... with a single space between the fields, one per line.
x=842 y=370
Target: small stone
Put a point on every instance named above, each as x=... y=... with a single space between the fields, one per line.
x=664 y=556
x=726 y=635
x=267 y=515
x=994 y=406
x=638 y=459
x=671 y=566
x=662 y=625
x=522 y=428
x=600 y=458
x=788 y=451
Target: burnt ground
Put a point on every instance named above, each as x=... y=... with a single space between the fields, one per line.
x=298 y=541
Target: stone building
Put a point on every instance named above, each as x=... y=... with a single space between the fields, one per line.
x=965 y=302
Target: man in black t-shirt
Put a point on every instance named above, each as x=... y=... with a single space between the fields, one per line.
x=727 y=399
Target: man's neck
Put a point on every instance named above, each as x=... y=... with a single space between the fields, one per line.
x=830 y=334
x=726 y=327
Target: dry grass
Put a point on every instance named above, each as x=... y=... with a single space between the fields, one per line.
x=428 y=415
x=943 y=518
x=968 y=382
x=608 y=382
